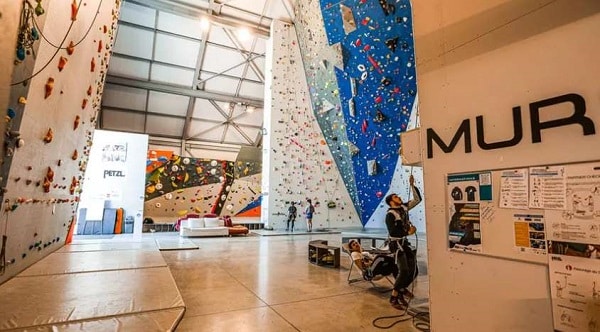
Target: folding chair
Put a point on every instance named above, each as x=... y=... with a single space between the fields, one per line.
x=379 y=259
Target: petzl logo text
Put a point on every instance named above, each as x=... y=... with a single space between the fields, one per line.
x=113 y=173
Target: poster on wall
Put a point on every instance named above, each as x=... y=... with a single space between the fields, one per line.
x=579 y=221
x=574 y=251
x=465 y=194
x=530 y=235
x=574 y=286
x=514 y=189
x=547 y=187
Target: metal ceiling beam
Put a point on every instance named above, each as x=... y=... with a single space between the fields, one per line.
x=196 y=84
x=179 y=90
x=176 y=35
x=128 y=110
x=166 y=64
x=196 y=12
x=252 y=64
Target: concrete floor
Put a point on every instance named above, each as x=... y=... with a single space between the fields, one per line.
x=260 y=283
x=247 y=283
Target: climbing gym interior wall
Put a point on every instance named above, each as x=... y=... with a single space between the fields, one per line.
x=177 y=186
x=297 y=162
x=61 y=58
x=506 y=85
x=9 y=21
x=358 y=63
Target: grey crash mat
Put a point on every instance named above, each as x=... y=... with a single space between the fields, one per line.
x=165 y=244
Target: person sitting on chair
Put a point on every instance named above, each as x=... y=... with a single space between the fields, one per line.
x=362 y=259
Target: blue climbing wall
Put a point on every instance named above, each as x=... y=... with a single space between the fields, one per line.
x=372 y=86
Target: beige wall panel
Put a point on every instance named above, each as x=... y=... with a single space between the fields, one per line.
x=539 y=54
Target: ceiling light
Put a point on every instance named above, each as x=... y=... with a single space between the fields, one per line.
x=204 y=24
x=250 y=109
x=244 y=34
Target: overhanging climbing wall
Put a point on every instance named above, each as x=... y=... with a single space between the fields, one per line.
x=359 y=63
x=297 y=161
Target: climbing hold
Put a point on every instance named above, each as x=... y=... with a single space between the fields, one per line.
x=11 y=113
x=74 y=155
x=20 y=143
x=22 y=100
x=50 y=174
x=38 y=9
x=71 y=48
x=99 y=46
x=83 y=104
x=20 y=53
x=392 y=44
x=93 y=65
x=74 y=10
x=76 y=122
x=49 y=86
x=61 y=63
x=89 y=91
x=49 y=136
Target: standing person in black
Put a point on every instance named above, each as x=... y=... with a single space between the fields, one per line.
x=399 y=226
x=291 y=216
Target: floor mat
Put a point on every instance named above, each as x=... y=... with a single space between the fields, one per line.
x=165 y=244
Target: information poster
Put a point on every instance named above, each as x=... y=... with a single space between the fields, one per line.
x=575 y=288
x=465 y=194
x=514 y=189
x=579 y=221
x=574 y=251
x=547 y=187
x=530 y=235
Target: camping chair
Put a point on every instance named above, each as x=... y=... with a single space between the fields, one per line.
x=383 y=267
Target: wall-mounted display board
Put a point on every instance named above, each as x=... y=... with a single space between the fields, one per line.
x=512 y=213
x=540 y=214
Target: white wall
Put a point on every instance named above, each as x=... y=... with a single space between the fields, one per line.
x=296 y=163
x=118 y=180
x=484 y=58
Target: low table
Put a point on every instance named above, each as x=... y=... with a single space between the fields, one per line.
x=319 y=253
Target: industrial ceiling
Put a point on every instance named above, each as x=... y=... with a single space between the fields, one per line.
x=190 y=73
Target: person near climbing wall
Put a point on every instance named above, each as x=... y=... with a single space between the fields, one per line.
x=399 y=226
x=291 y=216
x=310 y=209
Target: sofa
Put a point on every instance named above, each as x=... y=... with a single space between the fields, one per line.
x=206 y=226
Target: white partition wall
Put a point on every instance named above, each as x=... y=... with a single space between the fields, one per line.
x=486 y=70
x=116 y=175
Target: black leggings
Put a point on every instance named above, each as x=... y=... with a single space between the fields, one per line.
x=407 y=266
x=291 y=218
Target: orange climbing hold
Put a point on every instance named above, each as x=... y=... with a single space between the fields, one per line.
x=99 y=46
x=83 y=104
x=89 y=91
x=75 y=155
x=76 y=122
x=93 y=65
x=49 y=87
x=49 y=136
x=74 y=10
x=70 y=48
x=61 y=63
